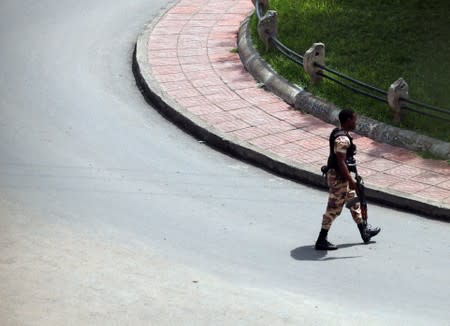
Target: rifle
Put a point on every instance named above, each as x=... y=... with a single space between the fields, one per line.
x=361 y=194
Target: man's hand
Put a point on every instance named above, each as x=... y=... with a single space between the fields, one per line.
x=353 y=186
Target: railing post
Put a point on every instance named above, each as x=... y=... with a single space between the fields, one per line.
x=263 y=4
x=397 y=92
x=315 y=54
x=268 y=27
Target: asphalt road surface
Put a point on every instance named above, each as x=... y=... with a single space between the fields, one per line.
x=110 y=215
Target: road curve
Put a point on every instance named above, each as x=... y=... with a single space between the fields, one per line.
x=110 y=214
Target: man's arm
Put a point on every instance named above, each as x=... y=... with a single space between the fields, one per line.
x=345 y=172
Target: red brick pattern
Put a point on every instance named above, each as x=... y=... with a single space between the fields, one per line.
x=191 y=54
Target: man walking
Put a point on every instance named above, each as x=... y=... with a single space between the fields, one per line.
x=342 y=186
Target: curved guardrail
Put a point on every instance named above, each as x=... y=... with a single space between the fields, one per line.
x=396 y=97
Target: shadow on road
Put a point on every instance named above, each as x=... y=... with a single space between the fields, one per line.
x=309 y=253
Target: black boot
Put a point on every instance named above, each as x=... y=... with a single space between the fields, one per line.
x=367 y=231
x=322 y=243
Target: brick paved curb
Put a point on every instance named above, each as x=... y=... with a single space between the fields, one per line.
x=243 y=150
x=167 y=107
x=328 y=112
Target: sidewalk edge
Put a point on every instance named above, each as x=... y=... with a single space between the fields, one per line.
x=172 y=111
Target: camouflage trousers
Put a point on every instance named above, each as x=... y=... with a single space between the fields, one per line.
x=338 y=194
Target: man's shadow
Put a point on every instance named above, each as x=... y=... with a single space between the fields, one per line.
x=309 y=253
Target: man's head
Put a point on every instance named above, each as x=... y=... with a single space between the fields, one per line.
x=347 y=118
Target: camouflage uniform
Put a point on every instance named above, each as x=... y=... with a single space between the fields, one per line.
x=339 y=192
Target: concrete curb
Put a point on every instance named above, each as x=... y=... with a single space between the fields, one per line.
x=303 y=173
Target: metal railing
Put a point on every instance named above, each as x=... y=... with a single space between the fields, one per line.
x=364 y=89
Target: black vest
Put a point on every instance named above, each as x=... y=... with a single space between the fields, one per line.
x=350 y=155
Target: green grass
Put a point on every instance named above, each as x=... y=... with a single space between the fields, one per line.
x=375 y=42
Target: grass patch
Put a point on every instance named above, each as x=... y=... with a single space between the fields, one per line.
x=375 y=42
